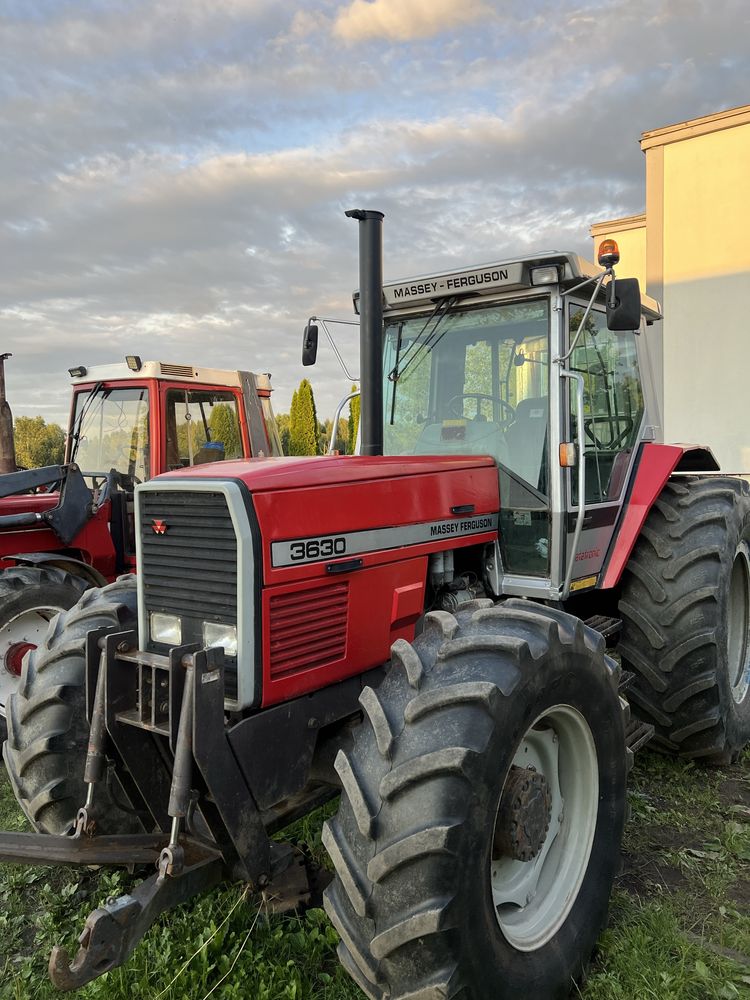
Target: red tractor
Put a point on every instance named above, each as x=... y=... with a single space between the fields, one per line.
x=421 y=629
x=128 y=423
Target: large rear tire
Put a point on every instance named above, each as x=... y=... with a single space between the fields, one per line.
x=45 y=752
x=30 y=597
x=685 y=608
x=431 y=896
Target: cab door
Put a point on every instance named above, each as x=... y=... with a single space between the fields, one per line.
x=613 y=414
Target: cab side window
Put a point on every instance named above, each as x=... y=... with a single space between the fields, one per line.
x=202 y=426
x=612 y=404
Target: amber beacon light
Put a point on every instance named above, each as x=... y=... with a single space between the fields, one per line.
x=609 y=253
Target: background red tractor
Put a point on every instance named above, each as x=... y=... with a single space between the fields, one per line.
x=422 y=630
x=128 y=423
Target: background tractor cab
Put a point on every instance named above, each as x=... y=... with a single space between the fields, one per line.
x=537 y=362
x=144 y=418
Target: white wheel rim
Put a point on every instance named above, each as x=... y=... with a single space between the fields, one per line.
x=533 y=898
x=29 y=626
x=738 y=624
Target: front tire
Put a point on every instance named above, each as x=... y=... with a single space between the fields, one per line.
x=429 y=899
x=30 y=597
x=45 y=752
x=685 y=608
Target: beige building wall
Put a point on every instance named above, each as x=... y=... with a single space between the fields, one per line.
x=697 y=264
x=630 y=234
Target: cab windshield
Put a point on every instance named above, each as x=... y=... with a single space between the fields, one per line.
x=473 y=381
x=110 y=431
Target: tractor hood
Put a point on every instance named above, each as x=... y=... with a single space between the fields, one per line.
x=320 y=563
x=367 y=501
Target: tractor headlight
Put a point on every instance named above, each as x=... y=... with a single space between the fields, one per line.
x=220 y=635
x=165 y=628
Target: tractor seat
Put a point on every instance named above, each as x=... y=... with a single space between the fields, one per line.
x=526 y=441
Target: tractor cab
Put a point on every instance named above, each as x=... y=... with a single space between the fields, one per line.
x=144 y=418
x=538 y=363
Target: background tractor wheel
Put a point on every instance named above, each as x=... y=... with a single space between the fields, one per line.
x=482 y=809
x=45 y=752
x=30 y=597
x=685 y=608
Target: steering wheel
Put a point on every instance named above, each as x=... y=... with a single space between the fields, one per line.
x=504 y=422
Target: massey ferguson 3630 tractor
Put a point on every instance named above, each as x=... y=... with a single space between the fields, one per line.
x=128 y=422
x=422 y=629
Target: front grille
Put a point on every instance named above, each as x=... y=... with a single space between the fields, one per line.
x=189 y=563
x=308 y=628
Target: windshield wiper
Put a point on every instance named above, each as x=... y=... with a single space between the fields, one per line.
x=77 y=432
x=418 y=347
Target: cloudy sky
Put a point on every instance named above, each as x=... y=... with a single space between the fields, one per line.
x=174 y=173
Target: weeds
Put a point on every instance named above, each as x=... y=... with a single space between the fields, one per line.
x=679 y=926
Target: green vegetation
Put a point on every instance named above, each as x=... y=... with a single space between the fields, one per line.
x=303 y=421
x=353 y=421
x=282 y=426
x=38 y=443
x=679 y=925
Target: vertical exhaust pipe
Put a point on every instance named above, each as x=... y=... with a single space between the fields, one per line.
x=7 y=443
x=370 y=328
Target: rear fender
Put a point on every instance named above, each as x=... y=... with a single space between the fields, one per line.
x=654 y=465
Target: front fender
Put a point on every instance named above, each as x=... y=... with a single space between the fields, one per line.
x=655 y=464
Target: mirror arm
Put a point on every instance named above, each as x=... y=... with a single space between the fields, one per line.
x=331 y=341
x=337 y=417
x=599 y=279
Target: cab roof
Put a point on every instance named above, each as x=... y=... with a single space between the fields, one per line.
x=494 y=278
x=120 y=372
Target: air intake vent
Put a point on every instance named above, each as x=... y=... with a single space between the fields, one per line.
x=177 y=371
x=308 y=628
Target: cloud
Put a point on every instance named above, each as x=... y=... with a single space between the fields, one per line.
x=175 y=172
x=404 y=20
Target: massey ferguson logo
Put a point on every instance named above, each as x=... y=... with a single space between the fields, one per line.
x=159 y=527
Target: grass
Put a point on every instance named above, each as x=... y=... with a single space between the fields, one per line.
x=679 y=925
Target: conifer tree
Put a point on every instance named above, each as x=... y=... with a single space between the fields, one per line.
x=224 y=428
x=293 y=423
x=303 y=430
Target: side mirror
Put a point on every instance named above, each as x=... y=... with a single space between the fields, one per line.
x=623 y=305
x=309 y=345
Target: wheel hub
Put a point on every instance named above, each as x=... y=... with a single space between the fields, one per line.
x=14 y=656
x=524 y=815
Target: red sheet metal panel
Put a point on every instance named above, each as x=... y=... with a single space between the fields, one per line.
x=656 y=465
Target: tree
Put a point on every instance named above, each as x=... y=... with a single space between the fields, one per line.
x=224 y=428
x=38 y=443
x=353 y=421
x=283 y=427
x=342 y=436
x=293 y=423
x=303 y=421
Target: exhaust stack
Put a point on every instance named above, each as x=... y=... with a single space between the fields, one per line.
x=7 y=442
x=370 y=328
